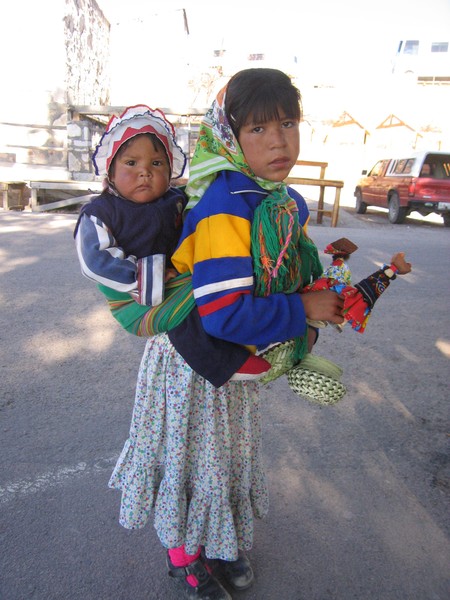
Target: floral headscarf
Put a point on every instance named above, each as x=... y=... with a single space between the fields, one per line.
x=217 y=150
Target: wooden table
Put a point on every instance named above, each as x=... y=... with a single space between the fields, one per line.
x=322 y=183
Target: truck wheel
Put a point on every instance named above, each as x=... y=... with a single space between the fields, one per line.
x=397 y=214
x=361 y=206
x=446 y=217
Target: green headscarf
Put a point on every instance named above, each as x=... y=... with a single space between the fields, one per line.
x=218 y=150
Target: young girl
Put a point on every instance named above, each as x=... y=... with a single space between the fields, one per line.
x=194 y=453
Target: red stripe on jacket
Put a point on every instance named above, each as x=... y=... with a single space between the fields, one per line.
x=215 y=305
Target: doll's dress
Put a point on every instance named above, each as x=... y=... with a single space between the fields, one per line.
x=337 y=277
x=339 y=271
x=356 y=311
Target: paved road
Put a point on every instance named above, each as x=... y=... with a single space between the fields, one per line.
x=359 y=492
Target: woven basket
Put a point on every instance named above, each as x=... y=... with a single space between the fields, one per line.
x=317 y=379
x=281 y=359
x=322 y=365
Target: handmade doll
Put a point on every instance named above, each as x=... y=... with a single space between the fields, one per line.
x=314 y=377
x=359 y=299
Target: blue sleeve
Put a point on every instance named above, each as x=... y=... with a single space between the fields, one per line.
x=259 y=321
x=104 y=262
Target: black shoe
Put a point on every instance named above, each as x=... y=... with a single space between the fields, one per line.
x=237 y=573
x=208 y=587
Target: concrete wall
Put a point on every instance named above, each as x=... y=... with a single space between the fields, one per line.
x=86 y=37
x=52 y=53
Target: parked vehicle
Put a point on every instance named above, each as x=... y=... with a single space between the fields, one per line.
x=419 y=182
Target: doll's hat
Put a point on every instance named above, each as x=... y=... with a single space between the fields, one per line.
x=342 y=246
x=136 y=120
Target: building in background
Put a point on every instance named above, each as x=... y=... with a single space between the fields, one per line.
x=54 y=54
x=80 y=68
x=425 y=60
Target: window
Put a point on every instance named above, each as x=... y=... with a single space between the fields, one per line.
x=433 y=80
x=403 y=167
x=376 y=170
x=411 y=47
x=440 y=166
x=399 y=167
x=408 y=167
x=256 y=57
x=425 y=171
x=439 y=47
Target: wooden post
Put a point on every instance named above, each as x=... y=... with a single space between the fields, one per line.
x=322 y=184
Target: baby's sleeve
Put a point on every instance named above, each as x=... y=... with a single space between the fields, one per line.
x=102 y=260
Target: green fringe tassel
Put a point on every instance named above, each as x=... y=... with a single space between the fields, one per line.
x=284 y=258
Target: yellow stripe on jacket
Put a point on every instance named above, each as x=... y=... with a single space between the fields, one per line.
x=219 y=230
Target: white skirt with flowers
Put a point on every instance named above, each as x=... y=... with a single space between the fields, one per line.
x=193 y=457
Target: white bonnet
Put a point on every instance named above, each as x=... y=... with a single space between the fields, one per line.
x=136 y=120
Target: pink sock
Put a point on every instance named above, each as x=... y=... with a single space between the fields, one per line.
x=179 y=558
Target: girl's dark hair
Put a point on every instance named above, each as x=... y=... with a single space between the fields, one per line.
x=261 y=94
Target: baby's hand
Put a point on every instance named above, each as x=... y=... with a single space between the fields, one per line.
x=170 y=274
x=398 y=260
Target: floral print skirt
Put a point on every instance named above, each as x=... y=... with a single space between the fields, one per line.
x=193 y=457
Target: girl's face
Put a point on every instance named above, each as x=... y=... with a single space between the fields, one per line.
x=271 y=149
x=141 y=172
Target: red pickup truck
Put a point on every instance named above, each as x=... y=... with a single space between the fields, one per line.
x=419 y=182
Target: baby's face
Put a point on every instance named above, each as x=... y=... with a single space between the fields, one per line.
x=141 y=171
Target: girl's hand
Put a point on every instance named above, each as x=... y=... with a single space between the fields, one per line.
x=398 y=260
x=324 y=305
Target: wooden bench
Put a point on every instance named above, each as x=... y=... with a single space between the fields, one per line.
x=13 y=194
x=322 y=183
x=88 y=187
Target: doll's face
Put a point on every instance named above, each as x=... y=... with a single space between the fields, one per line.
x=140 y=171
x=271 y=149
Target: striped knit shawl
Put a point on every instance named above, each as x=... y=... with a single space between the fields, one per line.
x=284 y=258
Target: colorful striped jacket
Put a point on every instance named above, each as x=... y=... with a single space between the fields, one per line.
x=215 y=248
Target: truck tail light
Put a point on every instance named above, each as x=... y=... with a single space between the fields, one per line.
x=412 y=188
